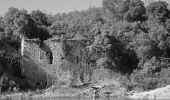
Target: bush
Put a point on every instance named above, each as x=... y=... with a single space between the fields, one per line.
x=6 y=84
x=164 y=78
x=141 y=81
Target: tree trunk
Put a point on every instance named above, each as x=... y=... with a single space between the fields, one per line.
x=22 y=46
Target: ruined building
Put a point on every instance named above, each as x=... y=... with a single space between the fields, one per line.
x=63 y=59
x=67 y=60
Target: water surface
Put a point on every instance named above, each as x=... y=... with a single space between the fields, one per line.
x=66 y=98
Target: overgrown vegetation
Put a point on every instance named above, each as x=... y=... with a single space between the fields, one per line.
x=124 y=36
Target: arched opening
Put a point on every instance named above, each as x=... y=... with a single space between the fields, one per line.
x=49 y=55
x=37 y=85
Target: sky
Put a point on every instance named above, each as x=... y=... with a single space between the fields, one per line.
x=49 y=6
x=53 y=6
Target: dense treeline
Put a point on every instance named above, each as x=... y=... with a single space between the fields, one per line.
x=132 y=38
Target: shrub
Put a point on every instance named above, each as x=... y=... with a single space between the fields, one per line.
x=164 y=78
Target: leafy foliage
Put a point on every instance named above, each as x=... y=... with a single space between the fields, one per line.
x=136 y=11
x=123 y=36
x=158 y=11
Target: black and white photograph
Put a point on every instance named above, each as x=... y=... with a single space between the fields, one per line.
x=84 y=49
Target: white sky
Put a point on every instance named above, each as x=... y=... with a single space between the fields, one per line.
x=50 y=6
x=53 y=6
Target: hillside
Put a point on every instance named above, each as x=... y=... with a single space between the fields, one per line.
x=124 y=41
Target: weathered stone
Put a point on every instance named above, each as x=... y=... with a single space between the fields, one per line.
x=70 y=61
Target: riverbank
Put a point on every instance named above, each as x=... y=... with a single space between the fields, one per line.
x=61 y=93
x=108 y=90
x=101 y=89
x=159 y=93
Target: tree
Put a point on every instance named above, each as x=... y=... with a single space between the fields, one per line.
x=18 y=22
x=111 y=4
x=58 y=28
x=145 y=52
x=2 y=25
x=116 y=7
x=2 y=28
x=167 y=25
x=20 y=25
x=9 y=18
x=39 y=18
x=158 y=11
x=41 y=23
x=136 y=11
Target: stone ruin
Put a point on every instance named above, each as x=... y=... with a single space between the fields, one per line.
x=67 y=60
x=56 y=57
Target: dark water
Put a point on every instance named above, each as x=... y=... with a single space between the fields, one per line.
x=65 y=98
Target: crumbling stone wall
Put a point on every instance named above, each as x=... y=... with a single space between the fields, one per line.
x=59 y=62
x=33 y=60
x=57 y=50
x=34 y=73
x=70 y=61
x=37 y=51
x=32 y=49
